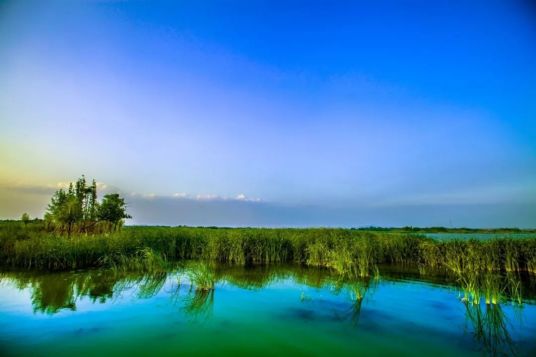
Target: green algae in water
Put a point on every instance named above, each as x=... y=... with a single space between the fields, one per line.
x=260 y=311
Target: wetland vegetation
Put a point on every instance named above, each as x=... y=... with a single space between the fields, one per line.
x=349 y=252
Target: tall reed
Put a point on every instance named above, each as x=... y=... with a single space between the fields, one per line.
x=354 y=253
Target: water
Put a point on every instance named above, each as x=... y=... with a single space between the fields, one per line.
x=261 y=311
x=480 y=236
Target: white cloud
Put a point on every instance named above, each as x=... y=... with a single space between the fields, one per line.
x=202 y=197
x=207 y=197
x=49 y=189
x=243 y=197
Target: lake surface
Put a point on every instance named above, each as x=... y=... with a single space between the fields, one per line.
x=260 y=311
x=480 y=236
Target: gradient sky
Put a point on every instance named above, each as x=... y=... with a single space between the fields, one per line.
x=274 y=113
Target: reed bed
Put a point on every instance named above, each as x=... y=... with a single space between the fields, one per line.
x=355 y=253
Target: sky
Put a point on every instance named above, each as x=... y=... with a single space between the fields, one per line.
x=274 y=113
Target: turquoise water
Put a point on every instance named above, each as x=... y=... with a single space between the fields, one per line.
x=479 y=236
x=276 y=311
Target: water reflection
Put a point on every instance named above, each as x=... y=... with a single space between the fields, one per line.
x=490 y=327
x=199 y=303
x=151 y=284
x=483 y=296
x=358 y=289
x=51 y=293
x=196 y=285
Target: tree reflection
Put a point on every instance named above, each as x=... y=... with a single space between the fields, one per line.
x=51 y=293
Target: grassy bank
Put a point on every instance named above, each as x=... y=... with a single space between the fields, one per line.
x=349 y=252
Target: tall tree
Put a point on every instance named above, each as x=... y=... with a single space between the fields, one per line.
x=113 y=210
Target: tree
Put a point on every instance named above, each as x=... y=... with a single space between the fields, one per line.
x=77 y=209
x=25 y=218
x=92 y=209
x=113 y=210
x=64 y=210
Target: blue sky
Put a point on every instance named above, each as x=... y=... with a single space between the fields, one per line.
x=274 y=113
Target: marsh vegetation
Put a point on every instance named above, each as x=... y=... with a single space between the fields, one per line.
x=353 y=253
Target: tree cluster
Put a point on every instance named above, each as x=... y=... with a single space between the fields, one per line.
x=77 y=210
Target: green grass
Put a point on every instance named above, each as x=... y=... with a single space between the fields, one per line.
x=352 y=253
x=202 y=276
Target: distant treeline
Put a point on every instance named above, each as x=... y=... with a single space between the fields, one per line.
x=407 y=229
x=39 y=223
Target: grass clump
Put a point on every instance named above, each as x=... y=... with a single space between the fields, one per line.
x=202 y=276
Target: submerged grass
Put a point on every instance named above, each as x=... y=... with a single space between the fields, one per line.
x=351 y=253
